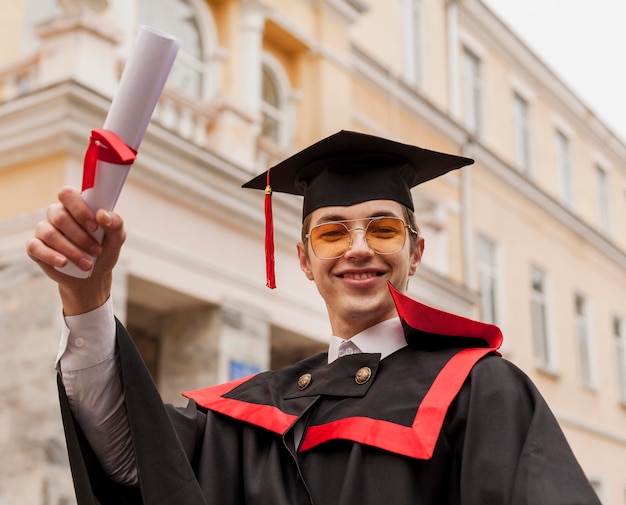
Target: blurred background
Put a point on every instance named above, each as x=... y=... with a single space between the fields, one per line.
x=532 y=237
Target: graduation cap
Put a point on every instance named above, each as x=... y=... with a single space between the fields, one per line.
x=348 y=168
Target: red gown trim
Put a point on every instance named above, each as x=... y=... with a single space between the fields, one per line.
x=266 y=416
x=416 y=441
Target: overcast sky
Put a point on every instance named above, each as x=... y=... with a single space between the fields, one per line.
x=583 y=41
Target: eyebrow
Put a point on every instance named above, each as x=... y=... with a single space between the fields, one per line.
x=330 y=218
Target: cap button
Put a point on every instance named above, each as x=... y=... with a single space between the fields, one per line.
x=363 y=375
x=304 y=381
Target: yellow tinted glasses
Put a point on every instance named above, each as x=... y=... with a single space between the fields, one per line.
x=384 y=235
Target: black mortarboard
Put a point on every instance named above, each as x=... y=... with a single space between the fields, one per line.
x=348 y=168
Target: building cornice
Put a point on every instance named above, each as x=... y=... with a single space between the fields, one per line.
x=36 y=124
x=58 y=119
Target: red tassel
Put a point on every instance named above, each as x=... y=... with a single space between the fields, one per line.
x=269 y=237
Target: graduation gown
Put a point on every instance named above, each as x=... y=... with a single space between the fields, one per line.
x=444 y=420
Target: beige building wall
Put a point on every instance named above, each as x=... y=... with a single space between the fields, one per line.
x=190 y=283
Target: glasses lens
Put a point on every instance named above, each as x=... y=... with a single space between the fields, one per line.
x=330 y=240
x=385 y=235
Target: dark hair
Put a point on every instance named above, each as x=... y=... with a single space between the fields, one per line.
x=407 y=214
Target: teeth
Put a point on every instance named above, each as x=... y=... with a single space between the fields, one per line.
x=360 y=276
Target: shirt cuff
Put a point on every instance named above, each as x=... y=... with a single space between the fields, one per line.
x=87 y=339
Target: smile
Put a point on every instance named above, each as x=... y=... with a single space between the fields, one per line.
x=360 y=276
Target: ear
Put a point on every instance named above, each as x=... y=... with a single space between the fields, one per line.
x=417 y=255
x=304 y=261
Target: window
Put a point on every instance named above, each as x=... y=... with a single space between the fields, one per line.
x=521 y=126
x=277 y=103
x=472 y=92
x=583 y=341
x=602 y=197
x=488 y=281
x=544 y=357
x=413 y=40
x=619 y=338
x=433 y=218
x=564 y=168
x=270 y=106
x=190 y=71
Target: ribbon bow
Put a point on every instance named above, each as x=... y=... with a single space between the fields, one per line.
x=104 y=145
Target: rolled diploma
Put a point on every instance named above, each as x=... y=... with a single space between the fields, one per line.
x=139 y=89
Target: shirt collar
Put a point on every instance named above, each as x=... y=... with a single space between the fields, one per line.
x=385 y=338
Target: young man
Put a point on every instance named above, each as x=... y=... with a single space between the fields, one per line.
x=410 y=405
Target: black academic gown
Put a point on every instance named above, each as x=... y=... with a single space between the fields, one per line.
x=444 y=420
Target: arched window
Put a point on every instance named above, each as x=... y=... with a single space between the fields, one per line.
x=276 y=103
x=190 y=72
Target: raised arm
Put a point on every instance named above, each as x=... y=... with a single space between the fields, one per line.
x=87 y=363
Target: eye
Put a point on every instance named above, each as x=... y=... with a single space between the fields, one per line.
x=330 y=232
x=385 y=228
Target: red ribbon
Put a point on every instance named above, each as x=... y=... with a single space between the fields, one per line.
x=269 y=237
x=104 y=145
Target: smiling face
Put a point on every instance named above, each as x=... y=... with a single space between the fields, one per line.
x=354 y=286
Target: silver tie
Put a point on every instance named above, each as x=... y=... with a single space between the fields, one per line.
x=347 y=347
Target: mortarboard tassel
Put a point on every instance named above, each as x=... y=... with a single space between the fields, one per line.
x=269 y=237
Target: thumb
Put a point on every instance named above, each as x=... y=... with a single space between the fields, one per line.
x=114 y=237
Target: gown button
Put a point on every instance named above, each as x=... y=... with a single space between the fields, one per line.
x=304 y=381
x=363 y=375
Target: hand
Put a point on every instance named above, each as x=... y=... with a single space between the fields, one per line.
x=64 y=235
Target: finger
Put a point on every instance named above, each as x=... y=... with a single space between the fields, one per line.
x=44 y=255
x=114 y=237
x=75 y=204
x=62 y=232
x=49 y=260
x=54 y=248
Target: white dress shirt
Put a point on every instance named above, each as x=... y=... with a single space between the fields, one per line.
x=384 y=338
x=88 y=367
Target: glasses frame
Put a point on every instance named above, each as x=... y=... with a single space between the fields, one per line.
x=370 y=220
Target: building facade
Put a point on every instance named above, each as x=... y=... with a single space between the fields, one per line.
x=532 y=237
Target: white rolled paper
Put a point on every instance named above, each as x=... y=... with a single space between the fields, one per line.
x=139 y=89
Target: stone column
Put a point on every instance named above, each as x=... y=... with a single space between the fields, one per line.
x=252 y=22
x=33 y=458
x=187 y=353
x=207 y=345
x=239 y=115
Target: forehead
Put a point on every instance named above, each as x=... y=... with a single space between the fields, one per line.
x=367 y=209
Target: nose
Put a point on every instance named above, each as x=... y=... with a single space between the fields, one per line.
x=358 y=245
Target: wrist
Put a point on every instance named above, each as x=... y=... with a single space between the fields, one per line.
x=85 y=295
